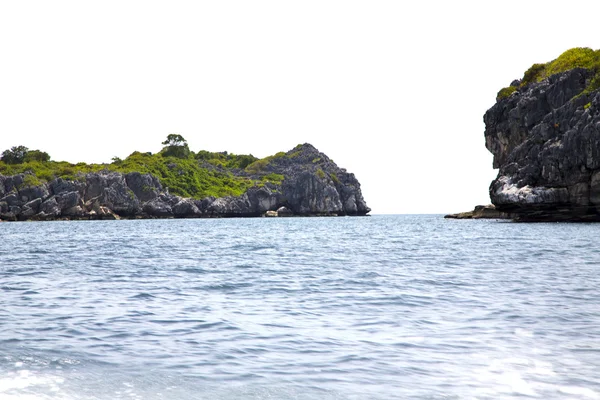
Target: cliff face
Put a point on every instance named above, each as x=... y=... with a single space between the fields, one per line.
x=545 y=138
x=312 y=185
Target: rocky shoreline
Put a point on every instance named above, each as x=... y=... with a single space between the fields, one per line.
x=308 y=189
x=481 y=212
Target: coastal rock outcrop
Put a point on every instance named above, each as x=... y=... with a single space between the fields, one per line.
x=306 y=182
x=545 y=138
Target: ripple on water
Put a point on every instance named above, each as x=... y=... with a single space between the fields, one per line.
x=342 y=308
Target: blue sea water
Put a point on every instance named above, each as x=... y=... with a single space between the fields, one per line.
x=382 y=307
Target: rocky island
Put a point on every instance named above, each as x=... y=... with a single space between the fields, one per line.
x=544 y=133
x=177 y=183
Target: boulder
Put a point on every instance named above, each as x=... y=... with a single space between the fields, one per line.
x=29 y=193
x=145 y=186
x=68 y=200
x=11 y=213
x=12 y=199
x=186 y=209
x=60 y=186
x=158 y=208
x=50 y=207
x=284 y=212
x=120 y=199
x=33 y=207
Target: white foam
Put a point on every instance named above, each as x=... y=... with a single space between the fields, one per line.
x=579 y=391
x=15 y=382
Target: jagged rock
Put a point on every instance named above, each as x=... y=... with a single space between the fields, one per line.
x=310 y=194
x=75 y=211
x=284 y=212
x=205 y=203
x=481 y=212
x=12 y=199
x=11 y=213
x=68 y=200
x=50 y=207
x=186 y=209
x=261 y=199
x=29 y=193
x=158 y=208
x=544 y=139
x=120 y=199
x=106 y=214
x=97 y=182
x=11 y=183
x=301 y=182
x=31 y=208
x=59 y=186
x=146 y=187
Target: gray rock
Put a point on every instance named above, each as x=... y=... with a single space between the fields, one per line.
x=12 y=199
x=75 y=211
x=34 y=205
x=11 y=213
x=309 y=194
x=158 y=208
x=11 y=183
x=59 y=186
x=544 y=139
x=68 y=200
x=312 y=185
x=97 y=182
x=186 y=209
x=50 y=207
x=146 y=187
x=284 y=212
x=29 y=193
x=120 y=199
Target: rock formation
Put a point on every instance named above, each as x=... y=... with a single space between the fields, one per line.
x=545 y=138
x=312 y=185
x=481 y=212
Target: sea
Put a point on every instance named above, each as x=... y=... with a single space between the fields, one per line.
x=380 y=307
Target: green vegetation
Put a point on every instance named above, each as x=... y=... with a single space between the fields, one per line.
x=533 y=74
x=578 y=57
x=175 y=146
x=30 y=180
x=505 y=92
x=225 y=159
x=273 y=178
x=177 y=168
x=260 y=165
x=334 y=178
x=320 y=173
x=14 y=155
x=588 y=105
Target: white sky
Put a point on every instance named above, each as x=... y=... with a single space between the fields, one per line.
x=393 y=91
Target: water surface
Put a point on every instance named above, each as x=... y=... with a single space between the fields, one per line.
x=386 y=307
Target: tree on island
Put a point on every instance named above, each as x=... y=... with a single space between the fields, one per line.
x=37 y=155
x=21 y=154
x=14 y=155
x=175 y=146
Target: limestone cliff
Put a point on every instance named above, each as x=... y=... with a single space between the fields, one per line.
x=544 y=133
x=312 y=184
